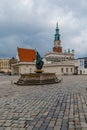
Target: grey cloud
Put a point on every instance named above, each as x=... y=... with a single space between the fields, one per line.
x=31 y=24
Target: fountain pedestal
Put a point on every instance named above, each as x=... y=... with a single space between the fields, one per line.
x=37 y=79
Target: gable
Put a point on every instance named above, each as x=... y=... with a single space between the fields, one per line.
x=26 y=55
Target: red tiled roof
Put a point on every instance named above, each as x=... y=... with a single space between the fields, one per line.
x=26 y=55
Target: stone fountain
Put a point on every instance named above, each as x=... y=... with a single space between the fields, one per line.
x=39 y=77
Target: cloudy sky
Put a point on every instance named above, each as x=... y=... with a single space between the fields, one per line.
x=31 y=24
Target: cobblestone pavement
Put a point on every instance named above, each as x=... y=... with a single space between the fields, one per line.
x=61 y=106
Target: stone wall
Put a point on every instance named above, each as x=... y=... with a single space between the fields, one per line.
x=59 y=69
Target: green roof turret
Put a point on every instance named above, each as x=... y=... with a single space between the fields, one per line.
x=57 y=35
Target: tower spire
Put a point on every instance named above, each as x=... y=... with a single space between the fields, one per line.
x=57 y=25
x=57 y=43
x=57 y=35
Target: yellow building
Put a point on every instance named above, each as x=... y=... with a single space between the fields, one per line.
x=4 y=65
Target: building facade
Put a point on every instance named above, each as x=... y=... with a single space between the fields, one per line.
x=82 y=62
x=60 y=68
x=4 y=65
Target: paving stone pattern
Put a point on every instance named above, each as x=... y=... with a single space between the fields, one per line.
x=61 y=106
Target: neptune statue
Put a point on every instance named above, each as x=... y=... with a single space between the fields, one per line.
x=39 y=62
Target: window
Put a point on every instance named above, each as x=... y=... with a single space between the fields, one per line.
x=62 y=70
x=71 y=69
x=84 y=72
x=66 y=69
x=85 y=63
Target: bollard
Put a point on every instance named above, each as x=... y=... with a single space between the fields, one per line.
x=11 y=81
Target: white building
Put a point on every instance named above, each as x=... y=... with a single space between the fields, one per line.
x=82 y=65
x=60 y=68
x=57 y=54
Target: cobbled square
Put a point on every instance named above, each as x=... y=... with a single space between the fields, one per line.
x=61 y=106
